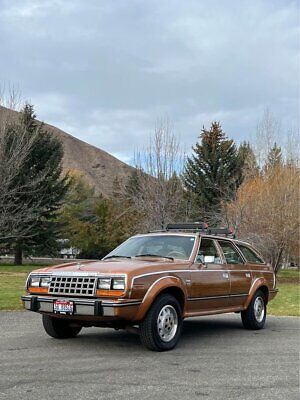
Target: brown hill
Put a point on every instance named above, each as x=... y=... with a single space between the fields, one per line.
x=99 y=168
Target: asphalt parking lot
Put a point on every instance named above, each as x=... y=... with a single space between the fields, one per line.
x=215 y=359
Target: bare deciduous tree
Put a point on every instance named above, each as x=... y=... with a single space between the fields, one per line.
x=10 y=97
x=292 y=146
x=159 y=197
x=267 y=133
x=266 y=213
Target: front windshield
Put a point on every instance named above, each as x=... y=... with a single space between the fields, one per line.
x=169 y=246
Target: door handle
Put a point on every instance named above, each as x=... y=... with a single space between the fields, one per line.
x=225 y=275
x=248 y=275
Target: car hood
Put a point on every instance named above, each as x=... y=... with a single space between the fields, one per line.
x=131 y=267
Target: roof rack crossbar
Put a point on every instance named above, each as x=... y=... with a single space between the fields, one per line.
x=187 y=226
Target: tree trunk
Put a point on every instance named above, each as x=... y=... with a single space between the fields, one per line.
x=277 y=263
x=18 y=254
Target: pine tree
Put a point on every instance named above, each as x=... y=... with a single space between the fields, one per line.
x=274 y=158
x=247 y=162
x=213 y=172
x=133 y=185
x=44 y=160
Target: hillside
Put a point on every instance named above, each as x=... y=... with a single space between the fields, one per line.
x=97 y=166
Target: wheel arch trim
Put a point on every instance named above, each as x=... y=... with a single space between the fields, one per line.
x=257 y=284
x=158 y=286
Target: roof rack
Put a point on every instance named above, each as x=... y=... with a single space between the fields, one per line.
x=187 y=226
x=221 y=232
x=201 y=227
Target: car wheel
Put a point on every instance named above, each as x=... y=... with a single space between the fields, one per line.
x=59 y=328
x=161 y=329
x=254 y=317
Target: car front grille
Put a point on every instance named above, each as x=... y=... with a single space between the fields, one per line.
x=72 y=285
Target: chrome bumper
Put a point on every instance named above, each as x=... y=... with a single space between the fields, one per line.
x=90 y=307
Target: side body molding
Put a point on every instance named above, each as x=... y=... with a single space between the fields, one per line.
x=257 y=283
x=165 y=282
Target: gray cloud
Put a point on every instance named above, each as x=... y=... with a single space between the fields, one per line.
x=105 y=71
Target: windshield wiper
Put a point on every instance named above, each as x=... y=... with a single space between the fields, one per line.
x=154 y=255
x=115 y=256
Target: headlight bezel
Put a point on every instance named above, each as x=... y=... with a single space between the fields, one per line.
x=38 y=281
x=111 y=283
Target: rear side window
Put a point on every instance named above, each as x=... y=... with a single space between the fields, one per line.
x=249 y=254
x=230 y=253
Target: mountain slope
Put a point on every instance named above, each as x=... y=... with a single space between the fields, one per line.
x=99 y=168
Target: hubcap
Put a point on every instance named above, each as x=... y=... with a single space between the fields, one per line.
x=259 y=309
x=167 y=323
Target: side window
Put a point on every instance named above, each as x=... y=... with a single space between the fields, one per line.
x=250 y=255
x=230 y=253
x=208 y=248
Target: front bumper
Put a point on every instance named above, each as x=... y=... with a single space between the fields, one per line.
x=84 y=307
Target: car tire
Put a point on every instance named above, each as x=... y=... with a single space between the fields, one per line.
x=59 y=328
x=161 y=328
x=254 y=317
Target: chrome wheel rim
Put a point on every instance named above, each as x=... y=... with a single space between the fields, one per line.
x=259 y=309
x=167 y=323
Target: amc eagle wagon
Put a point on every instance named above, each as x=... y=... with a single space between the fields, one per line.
x=153 y=281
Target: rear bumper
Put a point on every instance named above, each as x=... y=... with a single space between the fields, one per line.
x=85 y=307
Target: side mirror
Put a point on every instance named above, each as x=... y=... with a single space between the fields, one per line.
x=209 y=259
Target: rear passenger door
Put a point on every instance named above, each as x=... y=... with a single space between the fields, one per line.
x=239 y=272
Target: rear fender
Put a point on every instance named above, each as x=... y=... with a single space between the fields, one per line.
x=259 y=282
x=155 y=289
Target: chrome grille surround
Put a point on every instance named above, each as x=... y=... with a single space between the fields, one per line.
x=73 y=285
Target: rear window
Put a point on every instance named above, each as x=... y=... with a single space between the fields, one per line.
x=249 y=254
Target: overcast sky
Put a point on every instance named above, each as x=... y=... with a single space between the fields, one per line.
x=105 y=71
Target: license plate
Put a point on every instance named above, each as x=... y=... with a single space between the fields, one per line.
x=63 y=306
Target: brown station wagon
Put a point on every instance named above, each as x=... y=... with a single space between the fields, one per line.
x=151 y=282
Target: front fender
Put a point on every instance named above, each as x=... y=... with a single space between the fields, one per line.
x=157 y=287
x=259 y=282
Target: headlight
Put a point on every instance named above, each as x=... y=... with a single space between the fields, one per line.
x=118 y=284
x=39 y=281
x=111 y=283
x=104 y=283
x=45 y=281
x=34 y=281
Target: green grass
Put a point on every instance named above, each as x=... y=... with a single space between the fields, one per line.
x=290 y=273
x=287 y=301
x=19 y=268
x=11 y=289
x=12 y=281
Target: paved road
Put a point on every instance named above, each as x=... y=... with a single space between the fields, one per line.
x=215 y=359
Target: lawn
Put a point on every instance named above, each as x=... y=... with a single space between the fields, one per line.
x=287 y=301
x=12 y=280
